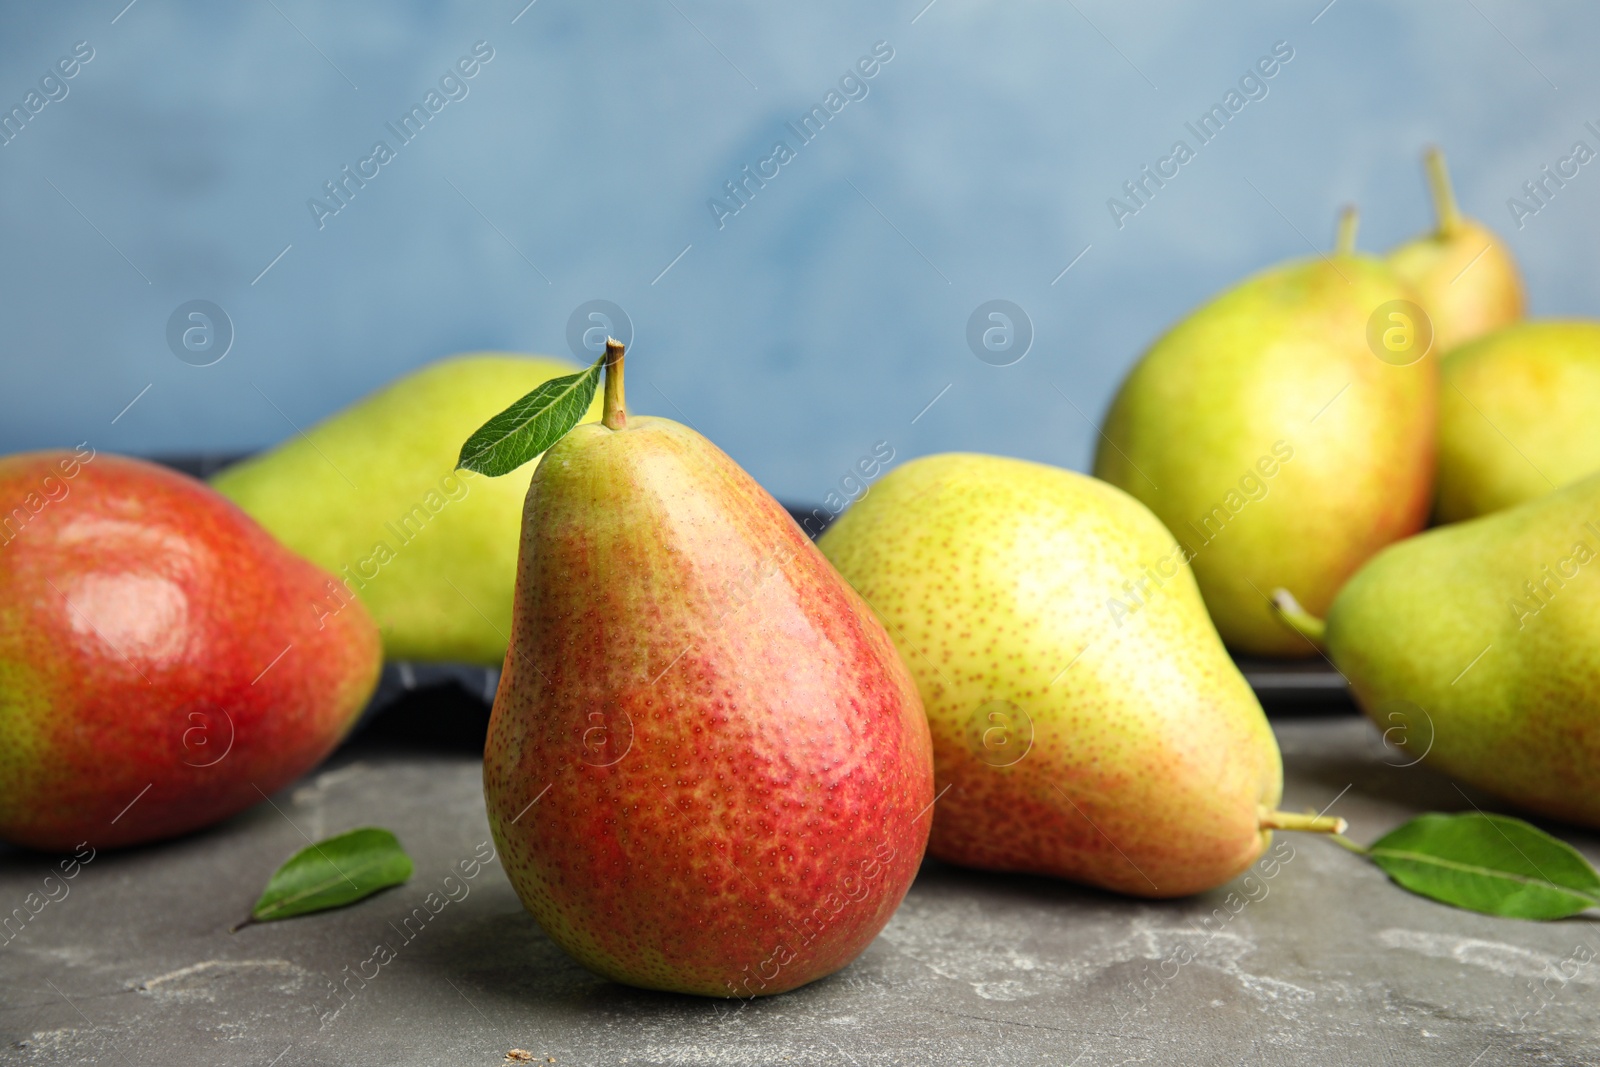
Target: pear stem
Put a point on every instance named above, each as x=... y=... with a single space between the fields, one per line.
x=1311 y=824
x=615 y=415
x=1444 y=195
x=1298 y=618
x=1344 y=243
x=1345 y=843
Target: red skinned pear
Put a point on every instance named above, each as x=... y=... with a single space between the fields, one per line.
x=164 y=663
x=707 y=770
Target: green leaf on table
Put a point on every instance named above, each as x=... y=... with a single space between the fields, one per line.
x=531 y=425
x=331 y=873
x=1489 y=863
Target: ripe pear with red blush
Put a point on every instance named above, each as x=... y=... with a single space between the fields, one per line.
x=164 y=663
x=708 y=770
x=1086 y=721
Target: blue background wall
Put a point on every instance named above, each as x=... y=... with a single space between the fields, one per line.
x=821 y=318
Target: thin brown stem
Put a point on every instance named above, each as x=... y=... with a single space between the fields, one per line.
x=615 y=416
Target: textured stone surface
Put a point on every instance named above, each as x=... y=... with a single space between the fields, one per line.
x=1330 y=964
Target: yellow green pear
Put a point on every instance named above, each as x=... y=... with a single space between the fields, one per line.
x=1517 y=416
x=1087 y=722
x=1464 y=275
x=1474 y=647
x=1284 y=432
x=371 y=493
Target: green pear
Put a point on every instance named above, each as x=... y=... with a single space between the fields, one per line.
x=1087 y=722
x=1464 y=275
x=1273 y=439
x=707 y=768
x=1517 y=416
x=1473 y=646
x=371 y=494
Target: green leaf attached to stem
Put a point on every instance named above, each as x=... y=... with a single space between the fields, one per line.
x=531 y=425
x=331 y=873
x=1489 y=863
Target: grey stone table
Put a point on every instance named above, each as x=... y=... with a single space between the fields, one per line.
x=1323 y=962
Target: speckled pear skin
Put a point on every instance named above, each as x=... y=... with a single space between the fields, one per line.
x=430 y=550
x=1517 y=416
x=1466 y=280
x=1150 y=758
x=707 y=770
x=1278 y=367
x=1479 y=641
x=164 y=663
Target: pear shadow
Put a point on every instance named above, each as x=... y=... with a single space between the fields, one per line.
x=1296 y=688
x=1418 y=787
x=1398 y=783
x=1016 y=889
x=504 y=962
x=205 y=838
x=438 y=718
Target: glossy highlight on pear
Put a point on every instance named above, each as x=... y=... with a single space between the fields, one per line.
x=164 y=663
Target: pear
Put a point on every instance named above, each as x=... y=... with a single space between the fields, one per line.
x=164 y=663
x=1275 y=443
x=1464 y=275
x=1473 y=647
x=707 y=770
x=1517 y=416
x=1087 y=722
x=369 y=494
